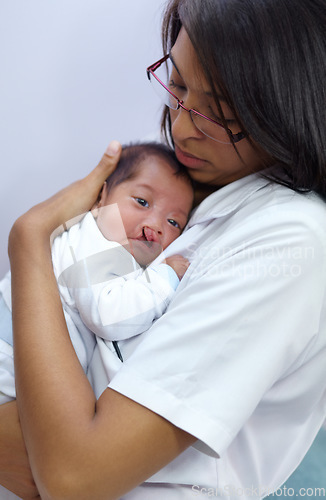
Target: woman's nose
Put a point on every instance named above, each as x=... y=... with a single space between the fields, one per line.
x=182 y=125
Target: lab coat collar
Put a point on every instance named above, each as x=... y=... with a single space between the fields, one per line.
x=227 y=199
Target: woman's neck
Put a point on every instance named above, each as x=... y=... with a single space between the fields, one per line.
x=202 y=191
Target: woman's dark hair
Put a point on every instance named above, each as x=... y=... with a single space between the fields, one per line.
x=268 y=59
x=133 y=154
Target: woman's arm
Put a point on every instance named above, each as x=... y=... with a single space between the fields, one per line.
x=78 y=447
x=15 y=472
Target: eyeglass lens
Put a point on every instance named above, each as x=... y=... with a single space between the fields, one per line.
x=212 y=130
x=164 y=73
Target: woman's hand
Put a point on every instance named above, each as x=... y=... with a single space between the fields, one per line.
x=70 y=202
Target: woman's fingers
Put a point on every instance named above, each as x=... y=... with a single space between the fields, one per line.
x=91 y=186
x=106 y=166
x=71 y=202
x=110 y=158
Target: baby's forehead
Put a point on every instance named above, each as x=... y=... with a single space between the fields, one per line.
x=176 y=182
x=169 y=169
x=145 y=164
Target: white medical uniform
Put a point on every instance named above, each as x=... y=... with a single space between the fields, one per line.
x=239 y=358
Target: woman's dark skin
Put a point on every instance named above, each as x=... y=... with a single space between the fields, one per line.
x=15 y=473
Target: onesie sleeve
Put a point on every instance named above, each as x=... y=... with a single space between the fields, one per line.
x=242 y=343
x=127 y=305
x=101 y=283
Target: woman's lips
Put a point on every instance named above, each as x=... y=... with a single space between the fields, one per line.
x=189 y=160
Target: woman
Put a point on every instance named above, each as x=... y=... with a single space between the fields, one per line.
x=236 y=367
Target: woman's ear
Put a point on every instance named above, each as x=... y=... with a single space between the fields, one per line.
x=99 y=202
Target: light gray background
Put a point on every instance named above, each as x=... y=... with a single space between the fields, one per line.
x=72 y=77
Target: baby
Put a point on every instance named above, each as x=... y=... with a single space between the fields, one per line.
x=107 y=283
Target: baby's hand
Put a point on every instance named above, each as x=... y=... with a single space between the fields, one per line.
x=179 y=264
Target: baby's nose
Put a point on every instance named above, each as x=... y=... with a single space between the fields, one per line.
x=152 y=233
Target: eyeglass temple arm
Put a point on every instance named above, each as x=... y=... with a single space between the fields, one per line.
x=153 y=67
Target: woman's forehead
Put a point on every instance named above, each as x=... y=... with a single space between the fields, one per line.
x=186 y=62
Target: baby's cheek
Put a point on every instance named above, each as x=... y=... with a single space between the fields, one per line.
x=110 y=223
x=173 y=235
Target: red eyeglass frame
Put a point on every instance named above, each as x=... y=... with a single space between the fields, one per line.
x=151 y=71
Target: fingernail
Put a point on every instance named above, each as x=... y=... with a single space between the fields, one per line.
x=113 y=148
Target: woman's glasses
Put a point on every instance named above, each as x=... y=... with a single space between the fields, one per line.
x=159 y=75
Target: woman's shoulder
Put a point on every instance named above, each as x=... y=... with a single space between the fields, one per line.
x=281 y=205
x=263 y=214
x=258 y=196
x=275 y=216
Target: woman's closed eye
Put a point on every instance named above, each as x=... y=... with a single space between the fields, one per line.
x=211 y=114
x=214 y=116
x=176 y=88
x=142 y=202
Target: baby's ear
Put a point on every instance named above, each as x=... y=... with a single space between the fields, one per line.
x=99 y=201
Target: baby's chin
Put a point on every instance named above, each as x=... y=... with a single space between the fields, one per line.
x=144 y=252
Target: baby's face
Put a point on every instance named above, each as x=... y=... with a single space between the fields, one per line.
x=153 y=205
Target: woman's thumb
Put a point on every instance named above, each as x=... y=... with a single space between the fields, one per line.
x=113 y=148
x=108 y=162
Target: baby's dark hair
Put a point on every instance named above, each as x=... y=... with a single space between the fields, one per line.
x=133 y=154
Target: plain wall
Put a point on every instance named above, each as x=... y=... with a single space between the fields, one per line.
x=73 y=77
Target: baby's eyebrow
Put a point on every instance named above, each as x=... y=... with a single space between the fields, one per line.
x=146 y=186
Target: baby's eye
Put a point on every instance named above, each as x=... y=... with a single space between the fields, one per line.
x=174 y=223
x=142 y=202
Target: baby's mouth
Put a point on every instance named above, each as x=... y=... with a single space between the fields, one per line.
x=146 y=247
x=150 y=235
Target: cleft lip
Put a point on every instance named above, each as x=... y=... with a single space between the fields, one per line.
x=150 y=235
x=146 y=246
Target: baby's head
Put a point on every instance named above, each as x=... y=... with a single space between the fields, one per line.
x=154 y=195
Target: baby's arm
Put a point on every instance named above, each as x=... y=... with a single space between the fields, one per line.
x=127 y=306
